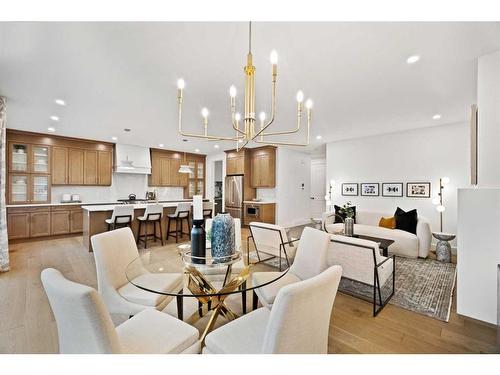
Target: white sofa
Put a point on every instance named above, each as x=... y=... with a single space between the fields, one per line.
x=405 y=244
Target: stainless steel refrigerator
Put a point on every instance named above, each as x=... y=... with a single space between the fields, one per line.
x=233 y=196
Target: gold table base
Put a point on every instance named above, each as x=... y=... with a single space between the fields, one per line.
x=208 y=295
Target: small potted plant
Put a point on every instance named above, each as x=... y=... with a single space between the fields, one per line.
x=347 y=212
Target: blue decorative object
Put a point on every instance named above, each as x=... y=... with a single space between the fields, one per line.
x=223 y=237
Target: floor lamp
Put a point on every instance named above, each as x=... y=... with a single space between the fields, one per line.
x=438 y=201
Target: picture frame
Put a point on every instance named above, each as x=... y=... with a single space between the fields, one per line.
x=350 y=189
x=392 y=189
x=370 y=189
x=418 y=189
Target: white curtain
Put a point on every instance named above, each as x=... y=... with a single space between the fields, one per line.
x=4 y=242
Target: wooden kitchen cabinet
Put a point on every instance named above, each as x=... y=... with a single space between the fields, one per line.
x=61 y=220
x=59 y=165
x=18 y=225
x=90 y=169
x=76 y=165
x=104 y=168
x=235 y=162
x=76 y=221
x=259 y=212
x=40 y=223
x=165 y=166
x=263 y=170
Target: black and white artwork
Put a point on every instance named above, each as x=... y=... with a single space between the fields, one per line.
x=392 y=189
x=418 y=189
x=370 y=189
x=350 y=189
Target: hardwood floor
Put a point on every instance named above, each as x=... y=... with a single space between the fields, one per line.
x=27 y=324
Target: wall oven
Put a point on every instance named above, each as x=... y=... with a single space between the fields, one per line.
x=252 y=211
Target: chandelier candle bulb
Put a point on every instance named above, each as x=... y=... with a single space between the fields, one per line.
x=300 y=96
x=232 y=91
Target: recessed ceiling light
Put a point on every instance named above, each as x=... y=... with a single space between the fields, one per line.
x=196 y=150
x=114 y=138
x=319 y=137
x=436 y=116
x=51 y=129
x=216 y=146
x=161 y=145
x=54 y=118
x=60 y=102
x=412 y=59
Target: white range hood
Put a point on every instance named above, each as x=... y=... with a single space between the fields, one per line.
x=132 y=159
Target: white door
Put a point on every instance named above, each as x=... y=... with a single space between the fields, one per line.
x=318 y=187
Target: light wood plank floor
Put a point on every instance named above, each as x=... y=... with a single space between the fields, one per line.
x=27 y=324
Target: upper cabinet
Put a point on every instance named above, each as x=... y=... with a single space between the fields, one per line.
x=263 y=167
x=165 y=171
x=37 y=161
x=235 y=162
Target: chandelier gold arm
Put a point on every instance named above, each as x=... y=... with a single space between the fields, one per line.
x=299 y=120
x=203 y=136
x=273 y=104
x=291 y=143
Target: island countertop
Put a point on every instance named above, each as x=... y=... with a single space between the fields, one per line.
x=138 y=206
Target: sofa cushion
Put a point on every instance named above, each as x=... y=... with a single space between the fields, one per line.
x=406 y=221
x=387 y=222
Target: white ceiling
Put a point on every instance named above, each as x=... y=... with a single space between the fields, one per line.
x=123 y=75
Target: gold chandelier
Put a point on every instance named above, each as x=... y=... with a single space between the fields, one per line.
x=248 y=132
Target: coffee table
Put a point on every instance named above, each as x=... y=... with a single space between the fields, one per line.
x=383 y=243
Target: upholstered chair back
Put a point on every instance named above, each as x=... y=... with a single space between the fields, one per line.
x=310 y=258
x=300 y=316
x=356 y=256
x=113 y=251
x=123 y=210
x=237 y=231
x=154 y=210
x=268 y=235
x=183 y=209
x=83 y=323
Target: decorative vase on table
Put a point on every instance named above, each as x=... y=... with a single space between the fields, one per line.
x=349 y=226
x=222 y=237
x=198 y=242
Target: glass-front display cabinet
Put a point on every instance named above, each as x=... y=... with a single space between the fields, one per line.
x=196 y=180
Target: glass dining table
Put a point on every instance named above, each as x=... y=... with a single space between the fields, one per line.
x=208 y=279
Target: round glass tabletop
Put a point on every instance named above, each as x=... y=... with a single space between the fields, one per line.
x=179 y=273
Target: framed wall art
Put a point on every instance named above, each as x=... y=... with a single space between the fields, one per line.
x=370 y=189
x=392 y=189
x=418 y=189
x=350 y=189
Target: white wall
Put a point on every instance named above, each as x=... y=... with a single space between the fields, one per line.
x=122 y=185
x=478 y=253
x=422 y=155
x=292 y=199
x=488 y=100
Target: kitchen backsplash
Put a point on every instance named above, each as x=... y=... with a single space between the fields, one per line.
x=122 y=186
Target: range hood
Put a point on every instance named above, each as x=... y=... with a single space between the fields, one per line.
x=132 y=159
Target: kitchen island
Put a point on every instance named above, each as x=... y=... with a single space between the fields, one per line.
x=94 y=219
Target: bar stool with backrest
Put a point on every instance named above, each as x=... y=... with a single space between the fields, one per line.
x=153 y=214
x=208 y=209
x=123 y=216
x=181 y=213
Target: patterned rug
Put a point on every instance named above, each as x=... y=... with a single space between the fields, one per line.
x=424 y=286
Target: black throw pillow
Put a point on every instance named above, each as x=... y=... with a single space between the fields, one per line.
x=338 y=211
x=406 y=221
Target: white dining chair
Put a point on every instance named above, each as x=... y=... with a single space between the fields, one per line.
x=270 y=240
x=123 y=215
x=84 y=325
x=113 y=252
x=298 y=322
x=208 y=209
x=152 y=214
x=310 y=260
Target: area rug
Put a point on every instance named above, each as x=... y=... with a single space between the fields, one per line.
x=424 y=286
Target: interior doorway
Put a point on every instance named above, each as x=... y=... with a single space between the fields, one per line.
x=318 y=187
x=218 y=177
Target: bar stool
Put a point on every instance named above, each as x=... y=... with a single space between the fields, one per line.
x=181 y=213
x=123 y=216
x=208 y=209
x=153 y=215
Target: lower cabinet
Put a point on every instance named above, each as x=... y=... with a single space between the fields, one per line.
x=39 y=224
x=33 y=222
